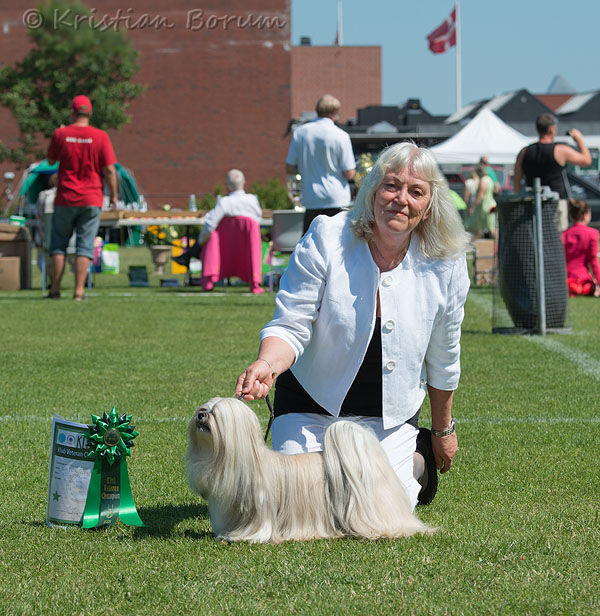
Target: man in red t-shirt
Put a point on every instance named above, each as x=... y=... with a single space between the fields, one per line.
x=85 y=154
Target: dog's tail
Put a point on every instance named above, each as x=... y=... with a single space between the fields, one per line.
x=365 y=496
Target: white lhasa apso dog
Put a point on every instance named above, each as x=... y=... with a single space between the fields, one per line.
x=258 y=495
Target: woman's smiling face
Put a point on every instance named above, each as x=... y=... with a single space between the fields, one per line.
x=400 y=202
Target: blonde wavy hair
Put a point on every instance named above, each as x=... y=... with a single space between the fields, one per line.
x=441 y=235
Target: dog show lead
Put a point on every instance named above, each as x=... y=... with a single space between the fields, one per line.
x=368 y=321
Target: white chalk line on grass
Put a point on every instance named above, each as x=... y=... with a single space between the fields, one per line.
x=165 y=295
x=473 y=420
x=588 y=364
x=144 y=296
x=583 y=361
x=529 y=420
x=48 y=419
x=486 y=304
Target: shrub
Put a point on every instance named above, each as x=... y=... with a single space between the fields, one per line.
x=272 y=194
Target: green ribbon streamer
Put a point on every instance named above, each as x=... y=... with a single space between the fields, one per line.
x=109 y=494
x=127 y=510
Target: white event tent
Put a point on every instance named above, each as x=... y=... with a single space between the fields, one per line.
x=486 y=134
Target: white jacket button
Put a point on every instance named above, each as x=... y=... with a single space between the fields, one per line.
x=389 y=325
x=387 y=281
x=390 y=365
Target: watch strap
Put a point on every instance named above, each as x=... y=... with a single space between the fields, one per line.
x=447 y=432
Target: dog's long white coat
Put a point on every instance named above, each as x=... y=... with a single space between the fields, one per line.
x=258 y=495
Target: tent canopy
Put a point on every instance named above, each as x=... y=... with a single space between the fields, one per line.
x=486 y=134
x=35 y=180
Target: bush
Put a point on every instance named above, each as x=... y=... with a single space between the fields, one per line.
x=209 y=200
x=272 y=194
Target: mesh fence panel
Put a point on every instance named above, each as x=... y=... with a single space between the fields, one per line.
x=515 y=294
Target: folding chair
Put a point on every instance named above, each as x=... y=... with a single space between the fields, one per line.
x=138 y=276
x=286 y=232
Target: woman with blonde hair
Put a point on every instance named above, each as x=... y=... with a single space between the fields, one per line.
x=367 y=322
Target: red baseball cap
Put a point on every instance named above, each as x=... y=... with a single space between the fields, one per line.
x=81 y=103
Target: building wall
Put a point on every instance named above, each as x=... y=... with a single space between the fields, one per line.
x=217 y=97
x=351 y=74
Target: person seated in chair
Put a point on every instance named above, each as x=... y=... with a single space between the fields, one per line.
x=236 y=203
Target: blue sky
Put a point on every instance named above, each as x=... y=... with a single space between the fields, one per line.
x=506 y=45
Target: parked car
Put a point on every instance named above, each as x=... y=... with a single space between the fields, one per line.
x=585 y=188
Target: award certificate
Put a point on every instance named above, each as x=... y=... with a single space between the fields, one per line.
x=70 y=472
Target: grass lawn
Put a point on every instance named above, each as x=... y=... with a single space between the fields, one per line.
x=518 y=513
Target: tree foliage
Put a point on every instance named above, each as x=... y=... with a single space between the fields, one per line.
x=72 y=54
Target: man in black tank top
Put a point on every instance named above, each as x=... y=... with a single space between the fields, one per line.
x=539 y=162
x=546 y=160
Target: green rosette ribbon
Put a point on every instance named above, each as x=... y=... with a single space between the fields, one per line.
x=109 y=497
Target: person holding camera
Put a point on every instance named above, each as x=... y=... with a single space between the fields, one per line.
x=547 y=160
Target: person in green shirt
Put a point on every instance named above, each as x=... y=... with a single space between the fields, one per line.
x=459 y=204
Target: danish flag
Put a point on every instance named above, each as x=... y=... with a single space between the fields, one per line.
x=444 y=36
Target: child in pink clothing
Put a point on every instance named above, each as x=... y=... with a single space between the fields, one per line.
x=581 y=252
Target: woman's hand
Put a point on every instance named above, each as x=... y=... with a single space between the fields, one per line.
x=256 y=381
x=274 y=357
x=444 y=450
x=444 y=447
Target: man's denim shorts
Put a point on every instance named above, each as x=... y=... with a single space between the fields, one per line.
x=83 y=220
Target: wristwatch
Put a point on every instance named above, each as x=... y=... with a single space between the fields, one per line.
x=447 y=432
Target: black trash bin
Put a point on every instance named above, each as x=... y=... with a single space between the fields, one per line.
x=516 y=299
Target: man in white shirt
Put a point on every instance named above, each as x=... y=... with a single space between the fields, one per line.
x=322 y=153
x=236 y=203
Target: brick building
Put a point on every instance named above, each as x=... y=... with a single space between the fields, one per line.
x=218 y=90
x=351 y=74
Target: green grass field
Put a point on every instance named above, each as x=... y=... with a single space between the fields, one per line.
x=518 y=514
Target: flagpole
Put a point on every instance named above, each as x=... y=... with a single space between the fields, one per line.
x=458 y=67
x=339 y=17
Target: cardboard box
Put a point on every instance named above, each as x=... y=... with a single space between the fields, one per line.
x=10 y=273
x=16 y=242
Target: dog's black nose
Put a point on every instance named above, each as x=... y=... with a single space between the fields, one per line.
x=201 y=418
